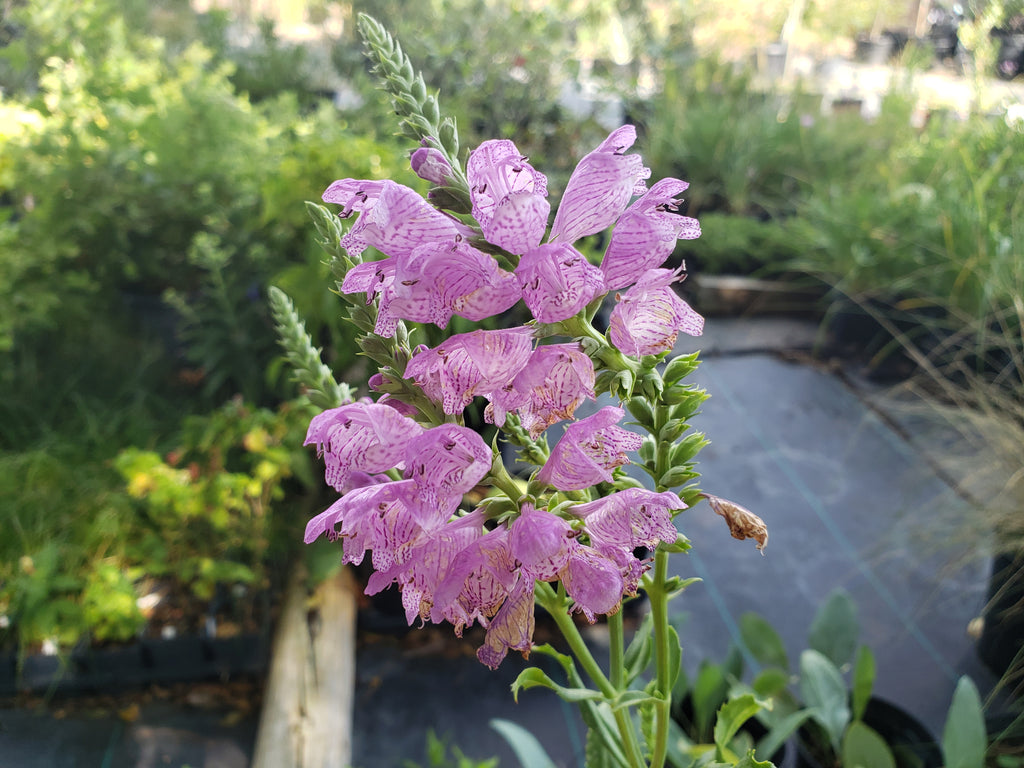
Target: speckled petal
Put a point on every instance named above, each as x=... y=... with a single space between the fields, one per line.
x=600 y=188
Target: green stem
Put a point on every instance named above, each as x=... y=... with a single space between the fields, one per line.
x=616 y=650
x=556 y=607
x=659 y=616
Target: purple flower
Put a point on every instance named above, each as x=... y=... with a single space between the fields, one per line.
x=645 y=235
x=470 y=364
x=557 y=281
x=594 y=581
x=430 y=165
x=366 y=437
x=557 y=378
x=648 y=318
x=588 y=451
x=630 y=519
x=512 y=626
x=447 y=462
x=425 y=562
x=508 y=196
x=393 y=218
x=599 y=188
x=441 y=279
x=481 y=576
x=540 y=541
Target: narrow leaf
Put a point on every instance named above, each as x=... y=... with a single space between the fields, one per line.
x=533 y=678
x=863 y=680
x=526 y=747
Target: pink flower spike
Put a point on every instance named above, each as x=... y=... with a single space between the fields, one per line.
x=508 y=196
x=470 y=364
x=646 y=234
x=599 y=188
x=393 y=218
x=588 y=451
x=648 y=318
x=540 y=541
x=630 y=519
x=366 y=437
x=557 y=281
x=556 y=380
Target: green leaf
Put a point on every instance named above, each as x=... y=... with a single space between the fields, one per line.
x=731 y=717
x=964 y=737
x=863 y=680
x=749 y=761
x=763 y=641
x=864 y=748
x=709 y=692
x=529 y=751
x=679 y=368
x=533 y=678
x=770 y=682
x=824 y=691
x=782 y=730
x=835 y=628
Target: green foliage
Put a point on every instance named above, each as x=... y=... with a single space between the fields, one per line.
x=206 y=508
x=964 y=738
x=525 y=745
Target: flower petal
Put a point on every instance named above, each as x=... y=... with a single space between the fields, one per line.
x=599 y=188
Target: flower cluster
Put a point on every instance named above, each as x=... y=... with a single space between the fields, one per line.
x=403 y=472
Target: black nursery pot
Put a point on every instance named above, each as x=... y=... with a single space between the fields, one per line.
x=911 y=743
x=1002 y=637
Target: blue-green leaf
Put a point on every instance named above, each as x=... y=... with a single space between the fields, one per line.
x=824 y=691
x=863 y=681
x=529 y=751
x=864 y=748
x=964 y=738
x=763 y=641
x=835 y=628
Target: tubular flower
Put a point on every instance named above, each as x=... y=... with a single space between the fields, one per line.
x=470 y=364
x=540 y=541
x=557 y=281
x=648 y=318
x=481 y=576
x=393 y=218
x=447 y=462
x=366 y=437
x=557 y=378
x=594 y=581
x=440 y=279
x=508 y=196
x=645 y=235
x=588 y=451
x=599 y=188
x=630 y=519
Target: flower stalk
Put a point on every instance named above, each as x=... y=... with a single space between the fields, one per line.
x=566 y=526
